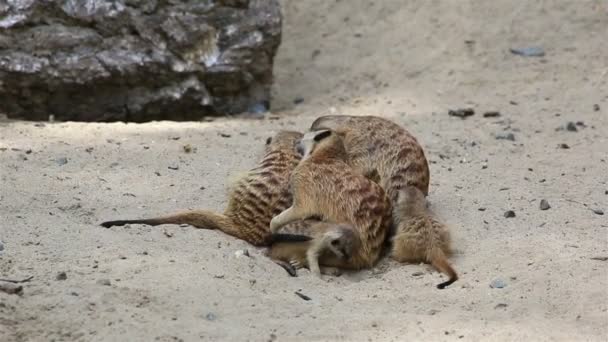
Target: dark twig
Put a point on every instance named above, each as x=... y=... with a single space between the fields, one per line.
x=18 y=281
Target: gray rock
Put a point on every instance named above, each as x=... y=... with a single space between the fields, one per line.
x=505 y=136
x=544 y=204
x=598 y=211
x=571 y=126
x=61 y=161
x=210 y=317
x=1 y=246
x=529 y=51
x=509 y=214
x=136 y=60
x=498 y=284
x=105 y=282
x=61 y=276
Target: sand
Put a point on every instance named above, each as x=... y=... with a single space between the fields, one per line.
x=410 y=61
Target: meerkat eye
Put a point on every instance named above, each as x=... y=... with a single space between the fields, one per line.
x=268 y=141
x=335 y=242
x=322 y=135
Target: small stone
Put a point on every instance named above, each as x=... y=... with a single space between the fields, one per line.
x=500 y=306
x=462 y=112
x=173 y=168
x=596 y=107
x=28 y=151
x=571 y=127
x=417 y=274
x=224 y=135
x=598 y=211
x=481 y=209
x=187 y=148
x=122 y=257
x=544 y=204
x=581 y=124
x=104 y=282
x=600 y=258
x=259 y=108
x=505 y=136
x=210 y=317
x=509 y=214
x=61 y=276
x=491 y=114
x=1 y=246
x=564 y=146
x=530 y=51
x=241 y=253
x=61 y=161
x=303 y=296
x=498 y=284
x=298 y=100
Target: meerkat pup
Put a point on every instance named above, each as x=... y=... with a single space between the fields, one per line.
x=253 y=200
x=419 y=237
x=319 y=240
x=323 y=185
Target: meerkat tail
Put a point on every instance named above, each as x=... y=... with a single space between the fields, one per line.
x=203 y=219
x=440 y=262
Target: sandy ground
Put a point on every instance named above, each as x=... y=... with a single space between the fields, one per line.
x=410 y=61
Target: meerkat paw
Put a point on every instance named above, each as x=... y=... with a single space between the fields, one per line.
x=297 y=264
x=331 y=271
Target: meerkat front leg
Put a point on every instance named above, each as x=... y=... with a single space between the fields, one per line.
x=289 y=215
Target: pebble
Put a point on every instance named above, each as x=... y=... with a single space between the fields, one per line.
x=259 y=108
x=500 y=306
x=491 y=114
x=598 y=211
x=187 y=148
x=241 y=253
x=481 y=209
x=596 y=107
x=61 y=276
x=1 y=246
x=530 y=51
x=544 y=204
x=498 y=284
x=462 y=112
x=417 y=274
x=298 y=100
x=505 y=136
x=105 y=282
x=509 y=214
x=224 y=135
x=571 y=127
x=564 y=146
x=61 y=161
x=210 y=317
x=303 y=296
x=173 y=167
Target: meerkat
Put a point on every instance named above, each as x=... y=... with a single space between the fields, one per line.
x=419 y=237
x=325 y=186
x=253 y=200
x=381 y=150
x=315 y=241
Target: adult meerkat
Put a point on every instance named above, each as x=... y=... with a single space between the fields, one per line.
x=381 y=149
x=419 y=237
x=253 y=200
x=319 y=240
x=325 y=186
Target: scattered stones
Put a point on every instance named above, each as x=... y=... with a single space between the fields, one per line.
x=210 y=317
x=498 y=284
x=298 y=100
x=564 y=146
x=544 y=204
x=598 y=211
x=500 y=306
x=571 y=127
x=509 y=214
x=596 y=107
x=303 y=296
x=505 y=136
x=600 y=258
x=174 y=168
x=104 y=282
x=491 y=114
x=462 y=112
x=530 y=51
x=61 y=276
x=61 y=161
x=241 y=253
x=11 y=288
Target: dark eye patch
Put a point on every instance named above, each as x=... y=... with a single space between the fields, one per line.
x=322 y=135
x=335 y=242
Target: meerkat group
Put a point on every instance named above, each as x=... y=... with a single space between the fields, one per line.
x=331 y=199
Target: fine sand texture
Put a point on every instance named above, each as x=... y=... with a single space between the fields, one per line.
x=541 y=275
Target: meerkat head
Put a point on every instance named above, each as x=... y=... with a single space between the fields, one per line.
x=283 y=140
x=324 y=140
x=411 y=200
x=341 y=241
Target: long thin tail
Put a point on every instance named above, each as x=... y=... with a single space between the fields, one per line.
x=204 y=219
x=440 y=262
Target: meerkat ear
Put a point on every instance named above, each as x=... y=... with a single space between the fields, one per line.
x=322 y=135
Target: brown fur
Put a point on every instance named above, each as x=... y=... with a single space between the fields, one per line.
x=419 y=237
x=253 y=200
x=324 y=185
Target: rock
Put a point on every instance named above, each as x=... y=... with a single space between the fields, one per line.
x=136 y=60
x=596 y=107
x=532 y=51
x=498 y=284
x=1 y=246
x=174 y=167
x=303 y=296
x=461 y=113
x=104 y=282
x=564 y=146
x=241 y=253
x=500 y=306
x=298 y=100
x=61 y=276
x=598 y=211
x=481 y=209
x=544 y=205
x=417 y=274
x=61 y=161
x=505 y=136
x=571 y=126
x=600 y=258
x=11 y=288
x=491 y=114
x=210 y=317
x=509 y=214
